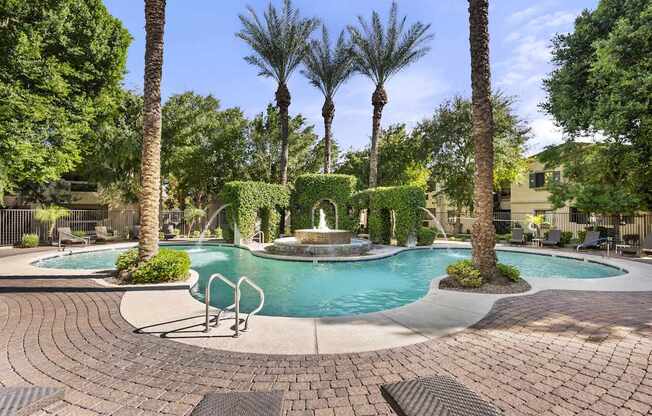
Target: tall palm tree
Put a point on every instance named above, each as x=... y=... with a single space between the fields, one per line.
x=327 y=69
x=150 y=176
x=381 y=52
x=484 y=234
x=280 y=44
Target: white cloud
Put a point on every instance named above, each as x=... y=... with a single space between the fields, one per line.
x=545 y=133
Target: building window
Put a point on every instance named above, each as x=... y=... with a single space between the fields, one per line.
x=452 y=217
x=541 y=179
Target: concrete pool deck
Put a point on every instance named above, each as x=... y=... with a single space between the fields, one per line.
x=174 y=314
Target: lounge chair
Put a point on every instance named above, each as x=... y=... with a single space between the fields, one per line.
x=102 y=234
x=554 y=238
x=591 y=240
x=168 y=231
x=67 y=237
x=645 y=248
x=135 y=232
x=517 y=236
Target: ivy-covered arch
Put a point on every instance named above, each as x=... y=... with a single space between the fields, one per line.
x=248 y=200
x=403 y=203
x=311 y=189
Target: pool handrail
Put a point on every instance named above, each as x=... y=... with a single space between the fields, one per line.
x=261 y=294
x=207 y=299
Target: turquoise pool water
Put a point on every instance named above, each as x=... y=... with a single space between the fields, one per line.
x=305 y=289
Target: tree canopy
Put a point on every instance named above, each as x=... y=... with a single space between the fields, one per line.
x=61 y=64
x=601 y=84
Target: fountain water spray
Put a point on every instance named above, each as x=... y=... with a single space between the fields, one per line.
x=439 y=228
x=208 y=224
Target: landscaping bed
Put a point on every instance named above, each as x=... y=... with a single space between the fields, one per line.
x=521 y=286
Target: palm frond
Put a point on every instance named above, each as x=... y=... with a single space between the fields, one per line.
x=380 y=52
x=279 y=39
x=328 y=68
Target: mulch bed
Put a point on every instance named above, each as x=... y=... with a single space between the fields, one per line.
x=448 y=283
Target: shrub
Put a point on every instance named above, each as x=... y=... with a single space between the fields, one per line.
x=176 y=231
x=196 y=234
x=207 y=233
x=425 y=236
x=218 y=233
x=509 y=271
x=465 y=273
x=166 y=266
x=161 y=235
x=29 y=240
x=566 y=237
x=581 y=235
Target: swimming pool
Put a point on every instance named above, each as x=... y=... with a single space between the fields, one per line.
x=304 y=289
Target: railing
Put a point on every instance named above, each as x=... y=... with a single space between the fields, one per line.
x=260 y=235
x=236 y=302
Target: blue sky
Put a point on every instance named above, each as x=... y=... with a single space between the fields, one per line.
x=202 y=54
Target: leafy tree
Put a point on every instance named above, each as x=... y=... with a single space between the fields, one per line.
x=50 y=215
x=381 y=52
x=193 y=214
x=483 y=239
x=401 y=160
x=306 y=153
x=150 y=172
x=203 y=147
x=327 y=70
x=602 y=84
x=61 y=63
x=280 y=44
x=448 y=140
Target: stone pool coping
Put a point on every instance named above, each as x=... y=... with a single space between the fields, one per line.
x=176 y=315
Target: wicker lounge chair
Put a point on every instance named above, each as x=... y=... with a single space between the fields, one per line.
x=168 y=231
x=435 y=396
x=517 y=236
x=67 y=237
x=554 y=238
x=591 y=240
x=645 y=248
x=102 y=234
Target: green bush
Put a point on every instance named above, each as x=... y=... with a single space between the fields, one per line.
x=29 y=240
x=465 y=273
x=176 y=232
x=166 y=266
x=161 y=235
x=311 y=188
x=405 y=201
x=195 y=234
x=510 y=272
x=425 y=236
x=207 y=233
x=566 y=237
x=218 y=233
x=227 y=234
x=249 y=198
x=581 y=235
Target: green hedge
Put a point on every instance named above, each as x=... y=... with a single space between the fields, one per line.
x=426 y=236
x=248 y=198
x=166 y=266
x=405 y=201
x=309 y=189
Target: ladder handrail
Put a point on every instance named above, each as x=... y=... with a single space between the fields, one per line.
x=261 y=294
x=262 y=236
x=207 y=297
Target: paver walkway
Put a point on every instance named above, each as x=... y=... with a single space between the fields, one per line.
x=552 y=353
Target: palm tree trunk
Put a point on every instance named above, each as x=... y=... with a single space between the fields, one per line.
x=378 y=100
x=151 y=157
x=283 y=102
x=483 y=233
x=327 y=112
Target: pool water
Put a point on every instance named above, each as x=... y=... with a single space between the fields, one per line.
x=304 y=289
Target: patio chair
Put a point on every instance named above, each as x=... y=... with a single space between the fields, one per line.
x=135 y=232
x=67 y=237
x=102 y=234
x=554 y=238
x=591 y=240
x=517 y=236
x=168 y=231
x=645 y=248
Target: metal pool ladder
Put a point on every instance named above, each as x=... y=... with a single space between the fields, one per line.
x=236 y=301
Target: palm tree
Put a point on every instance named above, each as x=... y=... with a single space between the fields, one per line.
x=50 y=215
x=280 y=44
x=380 y=53
x=483 y=232
x=150 y=176
x=327 y=70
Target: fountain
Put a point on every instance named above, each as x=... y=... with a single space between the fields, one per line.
x=320 y=242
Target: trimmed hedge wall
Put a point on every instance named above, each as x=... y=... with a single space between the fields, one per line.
x=405 y=201
x=309 y=189
x=247 y=198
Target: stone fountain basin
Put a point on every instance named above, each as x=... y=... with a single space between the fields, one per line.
x=290 y=246
x=316 y=236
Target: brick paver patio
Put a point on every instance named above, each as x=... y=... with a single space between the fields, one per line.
x=552 y=353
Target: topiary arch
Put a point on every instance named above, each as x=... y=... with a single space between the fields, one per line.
x=249 y=200
x=405 y=202
x=311 y=189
